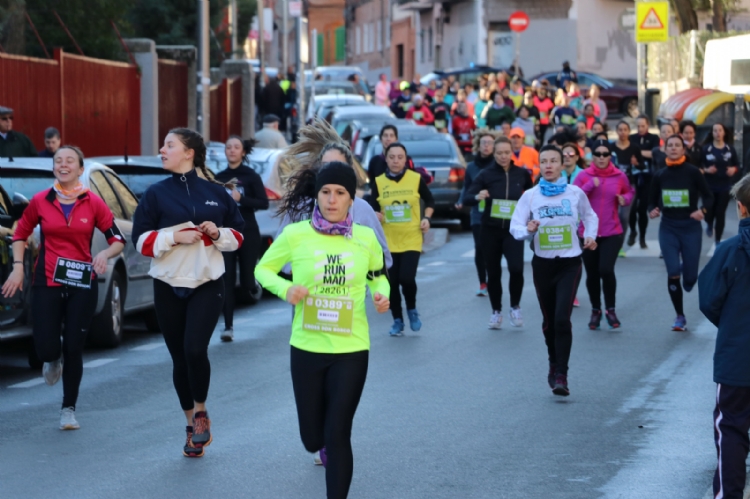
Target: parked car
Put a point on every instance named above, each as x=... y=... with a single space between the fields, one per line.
x=340 y=117
x=360 y=131
x=329 y=88
x=126 y=286
x=319 y=101
x=621 y=98
x=342 y=73
x=440 y=155
x=464 y=75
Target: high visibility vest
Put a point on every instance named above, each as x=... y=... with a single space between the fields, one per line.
x=399 y=203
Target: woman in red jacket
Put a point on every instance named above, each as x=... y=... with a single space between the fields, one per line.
x=65 y=275
x=420 y=113
x=463 y=126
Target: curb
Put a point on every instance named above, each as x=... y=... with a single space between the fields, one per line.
x=435 y=239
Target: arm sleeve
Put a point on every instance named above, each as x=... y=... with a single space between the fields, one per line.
x=521 y=217
x=654 y=193
x=588 y=216
x=258 y=200
x=425 y=194
x=626 y=190
x=29 y=220
x=374 y=195
x=366 y=216
x=713 y=286
x=277 y=255
x=147 y=238
x=428 y=116
x=105 y=221
x=585 y=182
x=230 y=235
x=733 y=161
x=377 y=280
x=706 y=195
x=529 y=182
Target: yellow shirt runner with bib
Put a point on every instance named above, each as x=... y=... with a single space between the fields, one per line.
x=402 y=213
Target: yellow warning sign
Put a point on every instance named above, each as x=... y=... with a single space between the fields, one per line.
x=651 y=22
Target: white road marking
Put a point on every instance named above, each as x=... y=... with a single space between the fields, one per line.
x=435 y=264
x=468 y=254
x=274 y=311
x=29 y=383
x=148 y=346
x=98 y=363
x=635 y=251
x=420 y=268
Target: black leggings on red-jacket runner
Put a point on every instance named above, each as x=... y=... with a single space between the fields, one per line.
x=51 y=306
x=187 y=325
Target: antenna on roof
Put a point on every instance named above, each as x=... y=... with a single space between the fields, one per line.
x=127 y=122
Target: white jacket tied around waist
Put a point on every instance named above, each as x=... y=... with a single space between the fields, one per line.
x=558 y=218
x=187 y=265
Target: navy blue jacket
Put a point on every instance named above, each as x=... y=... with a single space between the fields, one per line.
x=472 y=170
x=723 y=287
x=174 y=201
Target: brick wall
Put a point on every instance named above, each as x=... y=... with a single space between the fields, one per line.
x=402 y=34
x=367 y=45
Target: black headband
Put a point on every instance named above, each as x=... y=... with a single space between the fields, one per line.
x=339 y=174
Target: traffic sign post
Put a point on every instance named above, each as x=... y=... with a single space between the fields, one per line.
x=518 y=22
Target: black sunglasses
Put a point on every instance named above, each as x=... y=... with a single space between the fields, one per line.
x=602 y=154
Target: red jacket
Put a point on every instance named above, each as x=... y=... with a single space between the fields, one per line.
x=462 y=128
x=69 y=238
x=422 y=116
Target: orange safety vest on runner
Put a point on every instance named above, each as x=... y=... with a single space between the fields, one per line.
x=528 y=158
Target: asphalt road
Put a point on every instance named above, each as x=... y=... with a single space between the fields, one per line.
x=454 y=411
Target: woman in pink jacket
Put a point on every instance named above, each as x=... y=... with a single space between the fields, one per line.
x=607 y=189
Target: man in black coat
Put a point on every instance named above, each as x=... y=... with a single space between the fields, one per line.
x=13 y=144
x=272 y=99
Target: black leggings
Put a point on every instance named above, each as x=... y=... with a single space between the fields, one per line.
x=600 y=270
x=248 y=257
x=496 y=243
x=717 y=213
x=75 y=307
x=639 y=206
x=476 y=231
x=403 y=274
x=556 y=281
x=327 y=389
x=187 y=325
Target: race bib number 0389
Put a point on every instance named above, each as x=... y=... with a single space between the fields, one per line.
x=327 y=315
x=73 y=273
x=555 y=237
x=503 y=208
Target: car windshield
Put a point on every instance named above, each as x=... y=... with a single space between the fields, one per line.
x=26 y=182
x=139 y=178
x=421 y=149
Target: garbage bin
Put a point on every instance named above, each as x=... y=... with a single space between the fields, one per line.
x=653 y=102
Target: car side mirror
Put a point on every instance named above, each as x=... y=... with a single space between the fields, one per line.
x=19 y=205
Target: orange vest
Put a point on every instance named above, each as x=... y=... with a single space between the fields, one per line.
x=528 y=158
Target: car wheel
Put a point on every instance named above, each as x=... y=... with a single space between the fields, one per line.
x=152 y=321
x=106 y=328
x=630 y=108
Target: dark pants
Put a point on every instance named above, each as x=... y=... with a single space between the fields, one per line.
x=600 y=270
x=624 y=214
x=681 y=238
x=476 y=231
x=496 y=243
x=639 y=206
x=327 y=389
x=403 y=275
x=187 y=325
x=556 y=281
x=716 y=213
x=731 y=424
x=248 y=257
x=75 y=307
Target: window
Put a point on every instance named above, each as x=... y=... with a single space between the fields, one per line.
x=340 y=43
x=357 y=40
x=129 y=202
x=421 y=45
x=429 y=43
x=400 y=60
x=320 y=56
x=387 y=32
x=102 y=188
x=740 y=72
x=379 y=35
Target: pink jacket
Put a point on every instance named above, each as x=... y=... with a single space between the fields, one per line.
x=382 y=89
x=603 y=198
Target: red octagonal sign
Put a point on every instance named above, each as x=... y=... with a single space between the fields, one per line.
x=518 y=21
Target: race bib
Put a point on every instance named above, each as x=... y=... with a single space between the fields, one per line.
x=397 y=213
x=568 y=119
x=73 y=273
x=440 y=124
x=417 y=115
x=503 y=208
x=675 y=198
x=327 y=315
x=556 y=237
x=464 y=136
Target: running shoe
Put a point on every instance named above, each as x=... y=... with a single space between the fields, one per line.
x=190 y=450
x=516 y=318
x=52 y=371
x=622 y=254
x=316 y=459
x=709 y=231
x=496 y=320
x=397 y=329
x=68 y=419
x=551 y=375
x=680 y=323
x=561 y=386
x=202 y=429
x=482 y=290
x=227 y=334
x=323 y=457
x=596 y=319
x=612 y=319
x=576 y=303
x=631 y=239
x=643 y=243
x=414 y=323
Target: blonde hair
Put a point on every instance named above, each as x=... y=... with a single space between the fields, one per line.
x=483 y=132
x=560 y=97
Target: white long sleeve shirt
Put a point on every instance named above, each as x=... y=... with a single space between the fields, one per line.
x=558 y=218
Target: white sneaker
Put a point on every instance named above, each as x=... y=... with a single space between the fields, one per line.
x=227 y=334
x=515 y=317
x=52 y=371
x=68 y=419
x=496 y=321
x=316 y=459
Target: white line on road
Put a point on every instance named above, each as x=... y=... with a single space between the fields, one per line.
x=468 y=254
x=147 y=346
x=29 y=383
x=275 y=311
x=435 y=264
x=420 y=269
x=98 y=363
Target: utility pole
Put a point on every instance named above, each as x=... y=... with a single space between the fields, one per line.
x=300 y=74
x=204 y=72
x=285 y=38
x=640 y=64
x=233 y=27
x=261 y=42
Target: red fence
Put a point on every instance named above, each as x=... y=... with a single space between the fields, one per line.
x=173 y=96
x=226 y=109
x=96 y=104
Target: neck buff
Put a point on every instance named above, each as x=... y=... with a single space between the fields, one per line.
x=603 y=172
x=70 y=193
x=320 y=224
x=553 y=189
x=676 y=162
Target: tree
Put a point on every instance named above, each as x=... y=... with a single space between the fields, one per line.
x=687 y=19
x=12 y=26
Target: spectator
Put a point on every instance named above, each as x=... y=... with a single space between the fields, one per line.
x=479 y=106
x=402 y=103
x=13 y=144
x=498 y=113
x=419 y=112
x=600 y=107
x=566 y=75
x=463 y=125
x=524 y=156
x=441 y=111
x=51 y=143
x=270 y=137
x=272 y=100
x=382 y=89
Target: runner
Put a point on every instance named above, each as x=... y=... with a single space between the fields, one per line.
x=484 y=142
x=719 y=164
x=626 y=156
x=333 y=259
x=247 y=189
x=184 y=223
x=674 y=196
x=658 y=154
x=549 y=214
x=523 y=155
x=463 y=126
x=692 y=148
x=67 y=215
x=398 y=208
x=545 y=105
x=573 y=163
x=642 y=172
x=497 y=189
x=608 y=189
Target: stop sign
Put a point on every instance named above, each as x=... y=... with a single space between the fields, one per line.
x=518 y=21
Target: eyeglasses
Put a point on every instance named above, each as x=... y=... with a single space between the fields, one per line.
x=602 y=154
x=569 y=154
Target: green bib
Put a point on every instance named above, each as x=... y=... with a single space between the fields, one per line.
x=555 y=237
x=503 y=208
x=327 y=315
x=397 y=213
x=675 y=198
